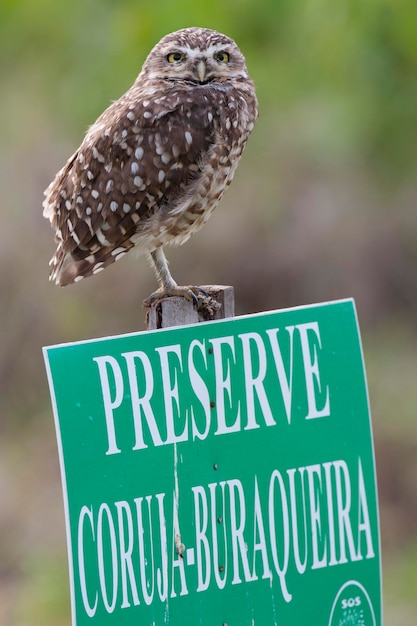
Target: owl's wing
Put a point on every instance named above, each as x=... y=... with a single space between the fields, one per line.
x=135 y=163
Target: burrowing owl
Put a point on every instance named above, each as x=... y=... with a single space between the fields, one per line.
x=155 y=164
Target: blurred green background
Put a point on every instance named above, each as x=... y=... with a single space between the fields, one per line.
x=324 y=206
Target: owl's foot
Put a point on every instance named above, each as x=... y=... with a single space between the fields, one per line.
x=189 y=292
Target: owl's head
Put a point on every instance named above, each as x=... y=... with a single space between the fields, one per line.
x=197 y=56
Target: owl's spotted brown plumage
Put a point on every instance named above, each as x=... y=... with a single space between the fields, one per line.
x=155 y=164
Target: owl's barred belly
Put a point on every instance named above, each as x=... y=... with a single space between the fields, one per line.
x=191 y=215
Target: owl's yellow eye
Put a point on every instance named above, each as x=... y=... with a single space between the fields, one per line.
x=175 y=57
x=222 y=56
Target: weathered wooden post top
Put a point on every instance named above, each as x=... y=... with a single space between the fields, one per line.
x=218 y=304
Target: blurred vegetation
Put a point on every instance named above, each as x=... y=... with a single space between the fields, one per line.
x=324 y=205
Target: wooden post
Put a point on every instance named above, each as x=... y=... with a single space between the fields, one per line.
x=219 y=304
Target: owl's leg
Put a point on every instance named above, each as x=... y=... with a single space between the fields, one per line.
x=160 y=264
x=168 y=286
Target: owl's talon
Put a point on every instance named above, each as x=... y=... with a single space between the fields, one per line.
x=188 y=292
x=195 y=299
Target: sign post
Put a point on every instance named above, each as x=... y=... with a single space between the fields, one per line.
x=221 y=473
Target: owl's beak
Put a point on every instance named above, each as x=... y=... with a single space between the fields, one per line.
x=201 y=70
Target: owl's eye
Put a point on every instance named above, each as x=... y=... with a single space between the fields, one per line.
x=175 y=57
x=222 y=56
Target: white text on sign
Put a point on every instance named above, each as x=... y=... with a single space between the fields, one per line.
x=264 y=361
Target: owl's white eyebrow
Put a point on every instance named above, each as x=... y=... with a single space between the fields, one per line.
x=196 y=52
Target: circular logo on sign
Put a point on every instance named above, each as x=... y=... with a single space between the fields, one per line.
x=352 y=606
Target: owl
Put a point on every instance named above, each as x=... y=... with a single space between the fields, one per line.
x=153 y=167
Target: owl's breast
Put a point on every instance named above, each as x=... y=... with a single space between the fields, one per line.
x=216 y=169
x=206 y=131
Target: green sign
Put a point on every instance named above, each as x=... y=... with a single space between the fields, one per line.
x=220 y=474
